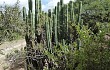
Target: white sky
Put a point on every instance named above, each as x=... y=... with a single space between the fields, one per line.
x=50 y=3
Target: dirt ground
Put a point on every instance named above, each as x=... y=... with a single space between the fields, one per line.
x=6 y=48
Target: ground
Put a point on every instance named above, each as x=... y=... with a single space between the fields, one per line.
x=8 y=47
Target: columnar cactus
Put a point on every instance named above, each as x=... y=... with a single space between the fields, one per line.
x=30 y=15
x=49 y=31
x=36 y=16
x=28 y=37
x=61 y=20
x=56 y=26
x=58 y=19
x=40 y=6
x=80 y=22
x=25 y=18
x=80 y=12
x=50 y=21
x=67 y=17
x=24 y=14
x=37 y=21
x=72 y=12
x=56 y=22
x=61 y=3
x=30 y=5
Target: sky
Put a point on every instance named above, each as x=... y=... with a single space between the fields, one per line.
x=46 y=4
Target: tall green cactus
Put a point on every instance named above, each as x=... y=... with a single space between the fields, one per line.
x=61 y=14
x=36 y=16
x=72 y=11
x=30 y=5
x=24 y=14
x=46 y=30
x=58 y=19
x=56 y=26
x=49 y=30
x=61 y=3
x=48 y=38
x=61 y=20
x=56 y=22
x=50 y=21
x=80 y=22
x=30 y=23
x=65 y=24
x=30 y=15
x=40 y=6
x=80 y=12
x=28 y=37
x=67 y=18
x=38 y=11
x=25 y=18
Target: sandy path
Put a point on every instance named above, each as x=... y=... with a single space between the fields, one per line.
x=7 y=47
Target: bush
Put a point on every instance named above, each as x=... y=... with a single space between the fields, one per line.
x=91 y=54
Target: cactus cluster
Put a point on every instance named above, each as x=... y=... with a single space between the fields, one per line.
x=56 y=23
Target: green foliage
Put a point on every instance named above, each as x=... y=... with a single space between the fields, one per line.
x=97 y=10
x=73 y=34
x=91 y=54
x=11 y=24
